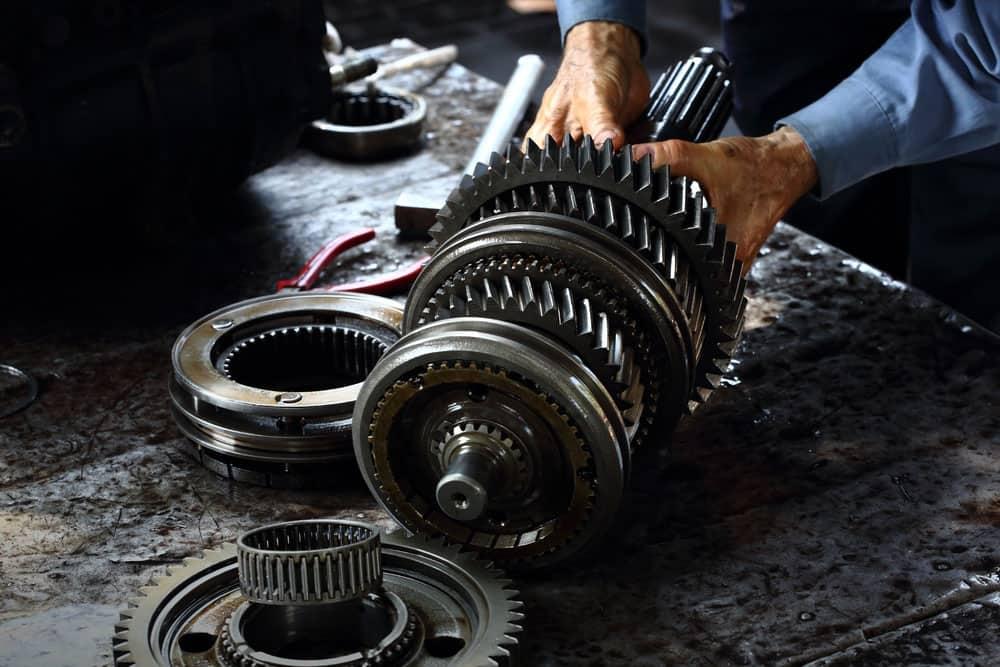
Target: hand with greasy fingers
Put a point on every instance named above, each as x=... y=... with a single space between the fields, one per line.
x=750 y=181
x=600 y=89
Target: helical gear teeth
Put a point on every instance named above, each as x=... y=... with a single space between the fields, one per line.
x=664 y=218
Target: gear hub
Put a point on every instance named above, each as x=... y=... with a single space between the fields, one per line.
x=322 y=592
x=577 y=304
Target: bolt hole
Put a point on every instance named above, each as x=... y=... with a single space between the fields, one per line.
x=477 y=393
x=444 y=647
x=460 y=501
x=196 y=642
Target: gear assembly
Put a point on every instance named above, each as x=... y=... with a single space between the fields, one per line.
x=576 y=303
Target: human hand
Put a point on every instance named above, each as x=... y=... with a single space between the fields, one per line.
x=750 y=181
x=601 y=86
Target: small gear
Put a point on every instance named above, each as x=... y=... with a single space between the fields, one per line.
x=455 y=428
x=664 y=219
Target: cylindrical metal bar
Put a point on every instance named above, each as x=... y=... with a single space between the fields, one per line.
x=509 y=112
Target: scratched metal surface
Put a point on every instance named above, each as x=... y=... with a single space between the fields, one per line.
x=837 y=502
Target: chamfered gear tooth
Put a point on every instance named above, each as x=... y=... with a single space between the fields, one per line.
x=515 y=162
x=566 y=153
x=532 y=157
x=643 y=177
x=605 y=158
x=661 y=186
x=550 y=154
x=498 y=163
x=623 y=164
x=586 y=155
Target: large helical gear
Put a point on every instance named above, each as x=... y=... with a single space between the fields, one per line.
x=612 y=287
x=432 y=605
x=665 y=219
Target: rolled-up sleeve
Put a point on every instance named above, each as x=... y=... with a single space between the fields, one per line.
x=931 y=92
x=628 y=12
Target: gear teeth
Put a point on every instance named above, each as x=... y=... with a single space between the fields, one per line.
x=605 y=158
x=532 y=157
x=664 y=218
x=586 y=156
x=624 y=164
x=550 y=154
x=643 y=177
x=498 y=163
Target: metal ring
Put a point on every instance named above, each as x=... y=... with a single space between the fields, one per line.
x=221 y=361
x=361 y=126
x=30 y=394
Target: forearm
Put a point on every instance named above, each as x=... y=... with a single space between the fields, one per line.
x=631 y=13
x=932 y=91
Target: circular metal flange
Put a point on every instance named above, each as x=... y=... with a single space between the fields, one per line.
x=436 y=606
x=265 y=388
x=476 y=369
x=369 y=124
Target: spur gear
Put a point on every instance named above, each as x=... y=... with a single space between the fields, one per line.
x=596 y=280
x=323 y=592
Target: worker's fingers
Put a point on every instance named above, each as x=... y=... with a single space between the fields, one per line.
x=575 y=129
x=684 y=158
x=551 y=118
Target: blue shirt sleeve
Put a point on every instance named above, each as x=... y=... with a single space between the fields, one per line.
x=931 y=92
x=628 y=12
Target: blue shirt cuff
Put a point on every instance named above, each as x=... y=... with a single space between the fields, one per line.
x=849 y=135
x=631 y=13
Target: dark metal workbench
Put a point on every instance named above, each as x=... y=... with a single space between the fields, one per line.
x=838 y=500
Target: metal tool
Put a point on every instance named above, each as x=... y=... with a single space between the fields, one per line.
x=414 y=212
x=510 y=110
x=323 y=592
x=578 y=303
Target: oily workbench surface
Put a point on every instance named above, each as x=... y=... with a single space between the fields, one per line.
x=838 y=500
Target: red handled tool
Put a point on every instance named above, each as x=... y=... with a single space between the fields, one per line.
x=383 y=284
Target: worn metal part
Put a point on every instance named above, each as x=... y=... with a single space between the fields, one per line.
x=428 y=604
x=533 y=391
x=368 y=124
x=582 y=254
x=18 y=390
x=265 y=388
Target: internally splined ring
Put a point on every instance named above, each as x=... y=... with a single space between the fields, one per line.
x=309 y=562
x=264 y=388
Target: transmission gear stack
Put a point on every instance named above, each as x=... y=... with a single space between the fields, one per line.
x=578 y=303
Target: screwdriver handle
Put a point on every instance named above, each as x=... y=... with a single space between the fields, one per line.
x=690 y=101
